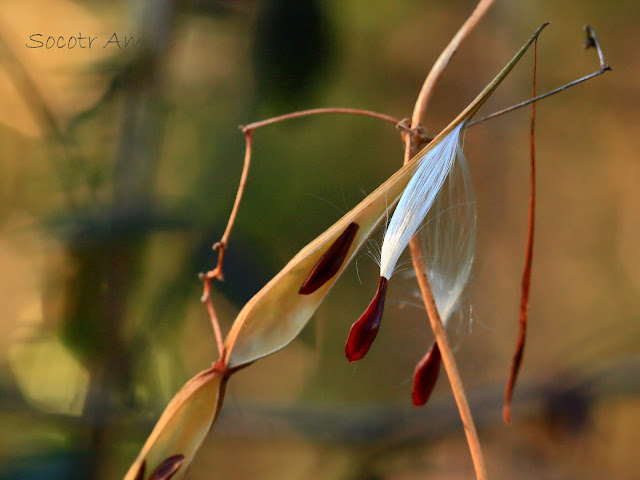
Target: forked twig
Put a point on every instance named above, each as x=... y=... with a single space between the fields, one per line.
x=421 y=274
x=590 y=42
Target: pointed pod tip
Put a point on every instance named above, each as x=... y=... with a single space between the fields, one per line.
x=426 y=375
x=364 y=330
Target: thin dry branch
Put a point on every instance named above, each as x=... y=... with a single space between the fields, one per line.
x=221 y=245
x=317 y=111
x=425 y=288
x=206 y=299
x=526 y=274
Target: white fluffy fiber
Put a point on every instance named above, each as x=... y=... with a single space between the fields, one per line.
x=447 y=239
x=417 y=198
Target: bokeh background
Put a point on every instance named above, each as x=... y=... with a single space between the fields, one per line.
x=118 y=169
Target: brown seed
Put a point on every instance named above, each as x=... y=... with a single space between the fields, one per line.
x=425 y=375
x=330 y=262
x=167 y=468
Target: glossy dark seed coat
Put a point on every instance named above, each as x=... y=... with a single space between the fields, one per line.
x=363 y=332
x=330 y=262
x=425 y=375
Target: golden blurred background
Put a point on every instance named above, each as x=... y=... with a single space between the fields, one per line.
x=118 y=169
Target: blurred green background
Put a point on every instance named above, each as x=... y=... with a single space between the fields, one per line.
x=118 y=169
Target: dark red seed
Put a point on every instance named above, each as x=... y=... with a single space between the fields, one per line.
x=363 y=332
x=425 y=375
x=167 y=468
x=330 y=262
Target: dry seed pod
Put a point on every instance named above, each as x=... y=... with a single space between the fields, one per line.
x=181 y=429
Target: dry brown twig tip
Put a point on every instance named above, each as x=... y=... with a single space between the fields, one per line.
x=592 y=42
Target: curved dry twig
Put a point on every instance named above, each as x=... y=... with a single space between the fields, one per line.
x=526 y=274
x=414 y=245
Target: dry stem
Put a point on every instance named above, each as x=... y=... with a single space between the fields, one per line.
x=221 y=247
x=206 y=299
x=411 y=149
x=316 y=111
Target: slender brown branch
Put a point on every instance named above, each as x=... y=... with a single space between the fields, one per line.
x=421 y=274
x=206 y=299
x=592 y=41
x=221 y=245
x=526 y=275
x=243 y=181
x=317 y=111
x=439 y=67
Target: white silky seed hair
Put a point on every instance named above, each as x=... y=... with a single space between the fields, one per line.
x=418 y=198
x=448 y=237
